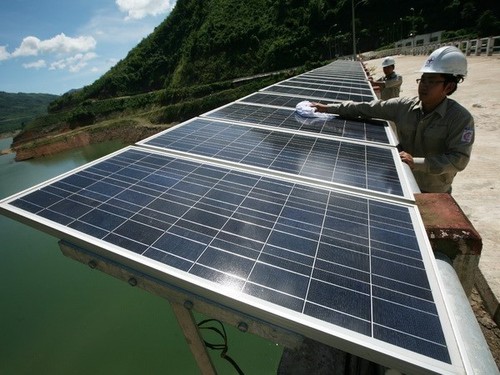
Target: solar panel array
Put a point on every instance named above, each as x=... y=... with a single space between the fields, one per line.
x=308 y=225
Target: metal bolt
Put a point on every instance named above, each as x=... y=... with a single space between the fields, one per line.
x=243 y=327
x=92 y=264
x=132 y=281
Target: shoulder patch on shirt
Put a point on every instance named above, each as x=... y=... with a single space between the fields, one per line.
x=467 y=135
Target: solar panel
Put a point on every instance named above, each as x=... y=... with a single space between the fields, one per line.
x=346 y=68
x=353 y=164
x=307 y=226
x=365 y=130
x=316 y=259
x=269 y=98
x=330 y=88
x=360 y=89
x=337 y=79
x=317 y=94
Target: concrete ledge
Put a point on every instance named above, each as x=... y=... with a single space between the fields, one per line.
x=489 y=298
x=450 y=232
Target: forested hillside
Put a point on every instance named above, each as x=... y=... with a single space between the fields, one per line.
x=187 y=64
x=16 y=110
x=213 y=40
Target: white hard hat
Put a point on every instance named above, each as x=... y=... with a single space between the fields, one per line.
x=446 y=60
x=388 y=61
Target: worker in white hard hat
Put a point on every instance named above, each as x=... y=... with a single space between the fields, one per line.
x=389 y=85
x=435 y=132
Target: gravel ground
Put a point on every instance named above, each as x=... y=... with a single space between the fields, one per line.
x=490 y=329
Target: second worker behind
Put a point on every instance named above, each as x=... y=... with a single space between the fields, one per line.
x=390 y=84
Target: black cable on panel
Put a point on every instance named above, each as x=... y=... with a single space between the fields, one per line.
x=223 y=347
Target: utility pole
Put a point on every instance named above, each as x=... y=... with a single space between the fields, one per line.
x=354 y=55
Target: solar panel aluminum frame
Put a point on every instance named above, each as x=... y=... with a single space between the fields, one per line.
x=261 y=310
x=406 y=185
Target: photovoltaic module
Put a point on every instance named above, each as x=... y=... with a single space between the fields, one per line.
x=310 y=225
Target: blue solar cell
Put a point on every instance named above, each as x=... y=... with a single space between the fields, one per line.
x=338 y=318
x=102 y=219
x=415 y=344
x=168 y=259
x=271 y=295
x=37 y=200
x=72 y=208
x=422 y=325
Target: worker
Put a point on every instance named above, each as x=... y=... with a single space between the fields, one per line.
x=435 y=133
x=389 y=85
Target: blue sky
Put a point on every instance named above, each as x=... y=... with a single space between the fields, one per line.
x=52 y=46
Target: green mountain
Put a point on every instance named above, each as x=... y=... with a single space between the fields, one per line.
x=215 y=40
x=16 y=110
x=189 y=63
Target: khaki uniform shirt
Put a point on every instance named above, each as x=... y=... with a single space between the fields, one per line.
x=392 y=86
x=440 y=142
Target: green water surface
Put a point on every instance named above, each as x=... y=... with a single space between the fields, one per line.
x=58 y=316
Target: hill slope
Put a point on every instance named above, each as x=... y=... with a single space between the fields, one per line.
x=186 y=66
x=16 y=110
x=202 y=42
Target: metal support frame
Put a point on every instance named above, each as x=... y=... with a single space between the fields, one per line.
x=183 y=305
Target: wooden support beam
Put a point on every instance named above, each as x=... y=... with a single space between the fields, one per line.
x=193 y=337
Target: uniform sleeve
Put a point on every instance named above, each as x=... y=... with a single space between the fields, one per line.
x=383 y=109
x=458 y=146
x=394 y=82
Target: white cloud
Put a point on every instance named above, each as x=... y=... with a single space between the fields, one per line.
x=60 y=44
x=28 y=47
x=35 y=65
x=4 y=55
x=111 y=29
x=137 y=9
x=74 y=63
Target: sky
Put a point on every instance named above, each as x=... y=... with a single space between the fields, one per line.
x=53 y=46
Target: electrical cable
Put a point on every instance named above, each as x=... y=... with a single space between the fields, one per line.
x=218 y=346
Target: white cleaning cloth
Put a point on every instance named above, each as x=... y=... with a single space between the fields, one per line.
x=305 y=110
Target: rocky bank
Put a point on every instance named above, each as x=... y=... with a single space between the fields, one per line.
x=50 y=144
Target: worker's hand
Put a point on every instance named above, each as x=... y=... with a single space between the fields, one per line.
x=319 y=107
x=407 y=158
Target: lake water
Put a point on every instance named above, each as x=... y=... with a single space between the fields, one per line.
x=58 y=316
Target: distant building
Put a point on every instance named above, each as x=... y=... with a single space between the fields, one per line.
x=420 y=40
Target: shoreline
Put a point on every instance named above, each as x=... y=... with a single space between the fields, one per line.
x=54 y=144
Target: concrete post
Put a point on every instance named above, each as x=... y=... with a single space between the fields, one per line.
x=451 y=233
x=489 y=48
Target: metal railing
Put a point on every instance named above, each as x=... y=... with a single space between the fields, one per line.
x=473 y=47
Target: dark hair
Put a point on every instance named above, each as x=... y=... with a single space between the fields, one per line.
x=450 y=78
